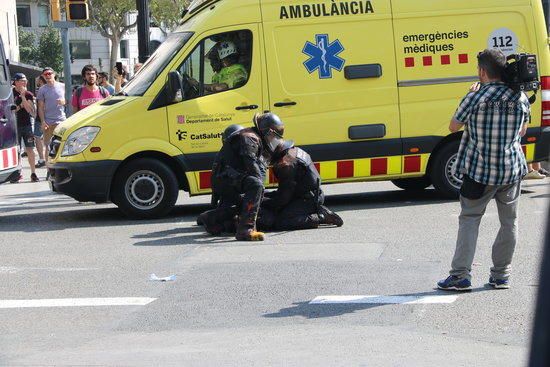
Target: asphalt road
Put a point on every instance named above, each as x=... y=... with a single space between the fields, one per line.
x=234 y=303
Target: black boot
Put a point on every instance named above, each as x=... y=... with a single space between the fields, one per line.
x=328 y=217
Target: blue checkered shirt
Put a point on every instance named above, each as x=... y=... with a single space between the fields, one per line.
x=490 y=151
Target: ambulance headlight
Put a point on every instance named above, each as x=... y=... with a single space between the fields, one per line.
x=79 y=140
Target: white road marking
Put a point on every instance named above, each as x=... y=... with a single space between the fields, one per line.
x=374 y=299
x=75 y=302
x=18 y=201
x=14 y=270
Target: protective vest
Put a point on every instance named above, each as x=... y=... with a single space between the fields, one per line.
x=242 y=155
x=234 y=76
x=298 y=178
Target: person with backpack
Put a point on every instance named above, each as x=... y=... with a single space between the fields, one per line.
x=89 y=93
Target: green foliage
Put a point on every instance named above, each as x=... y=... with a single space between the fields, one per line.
x=167 y=13
x=49 y=51
x=109 y=16
x=27 y=46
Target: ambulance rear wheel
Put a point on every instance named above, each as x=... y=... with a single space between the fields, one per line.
x=145 y=188
x=443 y=170
x=413 y=184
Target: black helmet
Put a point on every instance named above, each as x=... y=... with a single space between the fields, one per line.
x=271 y=129
x=230 y=131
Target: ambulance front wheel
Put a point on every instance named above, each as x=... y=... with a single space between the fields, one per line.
x=145 y=188
x=443 y=168
x=413 y=184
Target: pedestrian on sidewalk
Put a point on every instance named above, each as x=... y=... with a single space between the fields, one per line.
x=492 y=163
x=25 y=112
x=51 y=105
x=103 y=81
x=90 y=92
x=37 y=129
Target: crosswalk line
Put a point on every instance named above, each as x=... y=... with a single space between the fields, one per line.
x=40 y=199
x=75 y=302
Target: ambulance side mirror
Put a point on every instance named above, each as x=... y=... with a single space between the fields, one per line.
x=174 y=86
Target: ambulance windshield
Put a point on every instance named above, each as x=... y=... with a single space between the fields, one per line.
x=149 y=72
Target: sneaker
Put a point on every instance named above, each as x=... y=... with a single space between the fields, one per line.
x=23 y=154
x=499 y=283
x=544 y=172
x=41 y=163
x=250 y=235
x=34 y=177
x=329 y=217
x=454 y=283
x=534 y=175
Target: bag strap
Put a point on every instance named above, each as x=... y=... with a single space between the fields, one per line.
x=103 y=91
x=78 y=94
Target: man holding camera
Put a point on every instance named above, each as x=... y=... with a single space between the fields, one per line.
x=492 y=162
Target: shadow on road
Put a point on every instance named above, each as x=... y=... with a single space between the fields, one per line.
x=46 y=218
x=384 y=199
x=315 y=311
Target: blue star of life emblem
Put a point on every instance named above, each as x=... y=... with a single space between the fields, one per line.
x=323 y=56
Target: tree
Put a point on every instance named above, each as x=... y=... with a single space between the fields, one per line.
x=27 y=46
x=166 y=14
x=49 y=51
x=108 y=17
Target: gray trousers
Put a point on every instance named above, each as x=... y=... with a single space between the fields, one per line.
x=507 y=198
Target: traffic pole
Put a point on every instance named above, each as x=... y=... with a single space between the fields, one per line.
x=143 y=29
x=64 y=28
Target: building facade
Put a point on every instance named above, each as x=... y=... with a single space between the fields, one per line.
x=8 y=29
x=87 y=45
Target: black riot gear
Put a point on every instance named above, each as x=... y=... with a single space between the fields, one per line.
x=271 y=129
x=238 y=174
x=298 y=201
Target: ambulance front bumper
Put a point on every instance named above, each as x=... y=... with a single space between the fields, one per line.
x=85 y=181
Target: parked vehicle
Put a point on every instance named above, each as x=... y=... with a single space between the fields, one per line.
x=367 y=88
x=10 y=162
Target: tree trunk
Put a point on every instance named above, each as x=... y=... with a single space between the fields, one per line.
x=115 y=43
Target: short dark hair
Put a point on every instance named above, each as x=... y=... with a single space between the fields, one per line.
x=103 y=74
x=88 y=68
x=493 y=62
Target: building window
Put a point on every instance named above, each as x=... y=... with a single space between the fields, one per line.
x=24 y=15
x=124 y=49
x=80 y=49
x=43 y=16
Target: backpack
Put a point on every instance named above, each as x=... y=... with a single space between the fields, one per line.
x=78 y=92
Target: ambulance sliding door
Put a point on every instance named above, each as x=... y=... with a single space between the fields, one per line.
x=332 y=79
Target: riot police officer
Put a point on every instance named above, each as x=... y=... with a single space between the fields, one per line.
x=298 y=201
x=238 y=175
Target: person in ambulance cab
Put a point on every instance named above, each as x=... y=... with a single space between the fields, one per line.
x=232 y=74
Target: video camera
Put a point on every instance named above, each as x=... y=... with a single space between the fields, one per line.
x=521 y=73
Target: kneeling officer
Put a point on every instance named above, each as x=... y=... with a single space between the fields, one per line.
x=238 y=174
x=298 y=201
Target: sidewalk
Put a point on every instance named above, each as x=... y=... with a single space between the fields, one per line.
x=26 y=171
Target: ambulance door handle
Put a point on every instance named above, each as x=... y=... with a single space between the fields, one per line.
x=283 y=104
x=250 y=107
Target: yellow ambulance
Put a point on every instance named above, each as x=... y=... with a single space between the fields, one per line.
x=366 y=87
